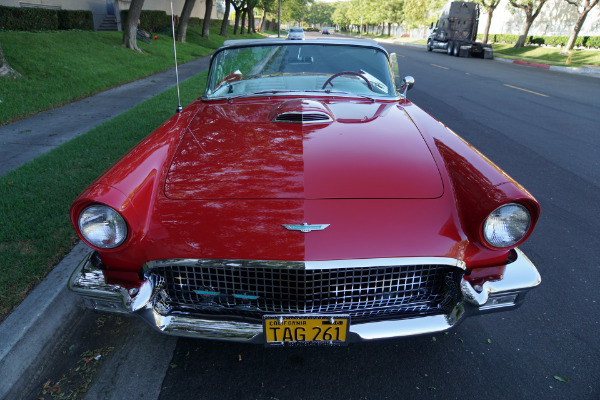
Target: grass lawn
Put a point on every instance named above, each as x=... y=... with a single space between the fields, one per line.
x=36 y=232
x=548 y=55
x=62 y=66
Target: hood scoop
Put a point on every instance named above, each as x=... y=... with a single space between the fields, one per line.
x=302 y=112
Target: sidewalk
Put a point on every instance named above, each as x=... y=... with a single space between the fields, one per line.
x=30 y=334
x=24 y=140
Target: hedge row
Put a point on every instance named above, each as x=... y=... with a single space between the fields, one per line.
x=554 y=41
x=41 y=19
x=151 y=20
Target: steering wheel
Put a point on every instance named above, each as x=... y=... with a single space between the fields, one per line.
x=332 y=77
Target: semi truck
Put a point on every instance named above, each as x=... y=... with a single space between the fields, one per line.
x=456 y=31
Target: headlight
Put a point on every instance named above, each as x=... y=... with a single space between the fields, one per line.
x=102 y=226
x=506 y=225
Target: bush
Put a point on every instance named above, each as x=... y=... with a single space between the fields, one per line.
x=79 y=19
x=553 y=41
x=594 y=42
x=28 y=19
x=536 y=40
x=42 y=19
x=151 y=20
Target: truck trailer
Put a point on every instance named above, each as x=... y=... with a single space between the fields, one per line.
x=456 y=31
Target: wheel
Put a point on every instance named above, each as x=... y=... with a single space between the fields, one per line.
x=450 y=48
x=456 y=50
x=429 y=45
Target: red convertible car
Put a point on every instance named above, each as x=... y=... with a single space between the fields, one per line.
x=304 y=200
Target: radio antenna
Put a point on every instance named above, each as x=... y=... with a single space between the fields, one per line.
x=179 y=108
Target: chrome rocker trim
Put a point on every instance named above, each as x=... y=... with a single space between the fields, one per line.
x=505 y=293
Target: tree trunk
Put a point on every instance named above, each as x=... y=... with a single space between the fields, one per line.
x=263 y=19
x=5 y=69
x=521 y=42
x=236 y=26
x=243 y=27
x=130 y=28
x=225 y=19
x=488 y=22
x=206 y=22
x=183 y=21
x=578 y=24
x=251 y=20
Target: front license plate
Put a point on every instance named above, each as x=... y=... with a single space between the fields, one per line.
x=304 y=329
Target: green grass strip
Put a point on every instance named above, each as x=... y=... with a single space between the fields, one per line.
x=36 y=233
x=548 y=55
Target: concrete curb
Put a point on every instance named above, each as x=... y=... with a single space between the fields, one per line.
x=30 y=333
x=593 y=72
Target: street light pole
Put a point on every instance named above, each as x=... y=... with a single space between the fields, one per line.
x=279 y=20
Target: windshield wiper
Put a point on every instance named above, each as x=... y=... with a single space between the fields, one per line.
x=329 y=91
x=272 y=91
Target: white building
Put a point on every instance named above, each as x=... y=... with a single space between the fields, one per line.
x=557 y=18
x=107 y=13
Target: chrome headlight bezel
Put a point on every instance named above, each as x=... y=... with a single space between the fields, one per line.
x=507 y=225
x=102 y=226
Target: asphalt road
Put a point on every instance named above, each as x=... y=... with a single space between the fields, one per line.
x=541 y=127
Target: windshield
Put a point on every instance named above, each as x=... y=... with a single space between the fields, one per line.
x=296 y=30
x=289 y=68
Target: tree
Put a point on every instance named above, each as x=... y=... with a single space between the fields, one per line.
x=5 y=69
x=183 y=21
x=583 y=8
x=490 y=6
x=130 y=28
x=206 y=22
x=250 y=11
x=238 y=6
x=532 y=9
x=225 y=21
x=244 y=14
x=415 y=13
x=267 y=6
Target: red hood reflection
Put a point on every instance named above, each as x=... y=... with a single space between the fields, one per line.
x=236 y=151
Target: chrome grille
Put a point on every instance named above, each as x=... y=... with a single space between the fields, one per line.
x=364 y=293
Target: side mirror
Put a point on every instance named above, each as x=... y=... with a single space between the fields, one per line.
x=431 y=27
x=407 y=83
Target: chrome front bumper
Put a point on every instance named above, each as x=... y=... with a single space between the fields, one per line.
x=505 y=292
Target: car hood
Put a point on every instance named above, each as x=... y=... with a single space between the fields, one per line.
x=302 y=149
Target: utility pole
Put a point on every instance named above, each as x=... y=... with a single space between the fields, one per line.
x=279 y=20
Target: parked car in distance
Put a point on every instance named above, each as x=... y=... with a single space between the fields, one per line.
x=303 y=199
x=295 y=33
x=325 y=31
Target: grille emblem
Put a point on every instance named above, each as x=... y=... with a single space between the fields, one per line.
x=305 y=227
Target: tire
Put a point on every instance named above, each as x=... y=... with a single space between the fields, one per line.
x=429 y=45
x=456 y=49
x=450 y=48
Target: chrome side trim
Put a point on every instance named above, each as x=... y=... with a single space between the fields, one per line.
x=519 y=277
x=329 y=264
